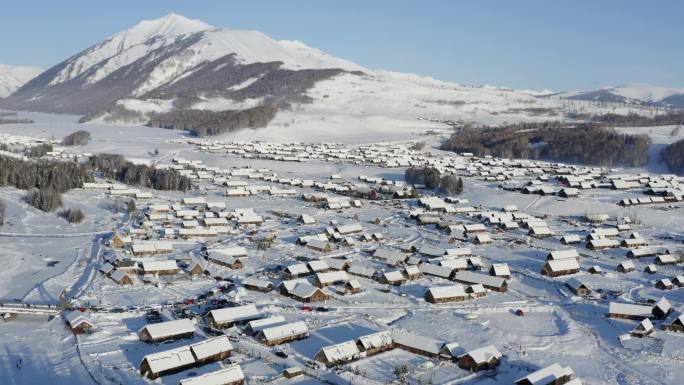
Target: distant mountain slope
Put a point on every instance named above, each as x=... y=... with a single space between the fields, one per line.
x=174 y=57
x=180 y=73
x=11 y=78
x=634 y=94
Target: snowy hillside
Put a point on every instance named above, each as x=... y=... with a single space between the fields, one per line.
x=11 y=78
x=175 y=72
x=632 y=93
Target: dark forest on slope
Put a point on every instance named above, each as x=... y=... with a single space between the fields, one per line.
x=583 y=143
x=673 y=156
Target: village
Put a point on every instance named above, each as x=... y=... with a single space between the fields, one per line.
x=292 y=262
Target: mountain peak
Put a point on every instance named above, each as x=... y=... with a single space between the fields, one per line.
x=172 y=24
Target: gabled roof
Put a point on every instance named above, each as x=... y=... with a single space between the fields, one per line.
x=547 y=375
x=501 y=269
x=340 y=352
x=447 y=291
x=283 y=331
x=211 y=346
x=169 y=328
x=563 y=264
x=223 y=376
x=375 y=340
x=630 y=309
x=235 y=314
x=150 y=266
x=304 y=290
x=416 y=341
x=77 y=317
x=483 y=354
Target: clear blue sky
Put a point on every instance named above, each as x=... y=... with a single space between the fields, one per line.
x=554 y=44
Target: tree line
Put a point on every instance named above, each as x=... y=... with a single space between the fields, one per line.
x=584 y=143
x=45 y=180
x=114 y=166
x=206 y=122
x=673 y=156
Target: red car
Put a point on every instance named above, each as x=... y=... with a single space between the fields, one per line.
x=307 y=308
x=189 y=301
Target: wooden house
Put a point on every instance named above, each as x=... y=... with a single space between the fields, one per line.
x=121 y=278
x=629 y=311
x=395 y=278
x=255 y=284
x=375 y=343
x=664 y=284
x=79 y=322
x=417 y=344
x=554 y=374
x=489 y=282
x=164 y=331
x=330 y=278
x=227 y=317
x=306 y=293
x=292 y=372
x=175 y=360
x=556 y=268
x=353 y=286
x=442 y=294
x=661 y=309
x=644 y=328
x=500 y=270
x=231 y=375
x=163 y=267
x=625 y=267
x=338 y=354
x=577 y=286
x=677 y=325
x=487 y=357
x=280 y=334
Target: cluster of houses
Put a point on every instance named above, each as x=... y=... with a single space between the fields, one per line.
x=487 y=357
x=661 y=311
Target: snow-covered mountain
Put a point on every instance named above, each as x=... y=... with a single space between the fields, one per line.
x=11 y=77
x=632 y=94
x=181 y=73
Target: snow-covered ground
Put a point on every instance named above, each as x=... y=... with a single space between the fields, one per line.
x=43 y=257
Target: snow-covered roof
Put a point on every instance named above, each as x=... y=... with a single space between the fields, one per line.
x=235 y=314
x=297 y=269
x=472 y=278
x=304 y=290
x=170 y=359
x=563 y=254
x=483 y=354
x=375 y=340
x=340 y=352
x=318 y=265
x=234 y=251
x=417 y=341
x=151 y=266
x=630 y=309
x=563 y=264
x=259 y=324
x=211 y=346
x=223 y=376
x=501 y=269
x=169 y=328
x=77 y=317
x=547 y=375
x=332 y=277
x=283 y=331
x=447 y=291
